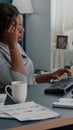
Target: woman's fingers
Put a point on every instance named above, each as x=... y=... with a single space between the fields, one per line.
x=11 y=27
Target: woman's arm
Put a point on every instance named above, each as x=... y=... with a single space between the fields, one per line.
x=16 y=60
x=7 y=74
x=42 y=78
x=11 y=38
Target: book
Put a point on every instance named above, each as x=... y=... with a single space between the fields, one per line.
x=63 y=102
x=29 y=111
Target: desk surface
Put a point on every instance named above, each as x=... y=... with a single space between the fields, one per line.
x=36 y=93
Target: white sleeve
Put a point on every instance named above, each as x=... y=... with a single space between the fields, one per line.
x=17 y=76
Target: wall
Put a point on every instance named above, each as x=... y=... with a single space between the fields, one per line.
x=38 y=34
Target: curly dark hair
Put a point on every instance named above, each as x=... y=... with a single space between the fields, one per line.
x=8 y=12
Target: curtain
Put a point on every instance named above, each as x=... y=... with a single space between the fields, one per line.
x=61 y=17
x=62 y=24
x=68 y=15
x=56 y=18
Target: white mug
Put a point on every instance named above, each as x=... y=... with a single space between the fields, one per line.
x=19 y=91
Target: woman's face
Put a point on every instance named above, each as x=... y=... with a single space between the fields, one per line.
x=19 y=22
x=17 y=28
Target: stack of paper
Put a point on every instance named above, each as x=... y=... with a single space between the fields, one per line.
x=2 y=101
x=64 y=102
x=29 y=111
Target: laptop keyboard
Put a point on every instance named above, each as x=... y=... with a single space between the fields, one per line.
x=61 y=86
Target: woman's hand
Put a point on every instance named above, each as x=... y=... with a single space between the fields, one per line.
x=42 y=78
x=11 y=34
x=60 y=72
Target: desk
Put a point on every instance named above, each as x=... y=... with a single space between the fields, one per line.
x=36 y=93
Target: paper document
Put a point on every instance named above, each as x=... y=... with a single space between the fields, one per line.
x=29 y=111
x=4 y=115
x=64 y=102
x=2 y=99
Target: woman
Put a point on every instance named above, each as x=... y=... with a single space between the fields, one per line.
x=14 y=63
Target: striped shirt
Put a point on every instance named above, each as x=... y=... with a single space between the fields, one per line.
x=6 y=74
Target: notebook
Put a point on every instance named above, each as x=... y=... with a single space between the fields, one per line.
x=63 y=102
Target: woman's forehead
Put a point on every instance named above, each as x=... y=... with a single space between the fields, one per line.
x=19 y=18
